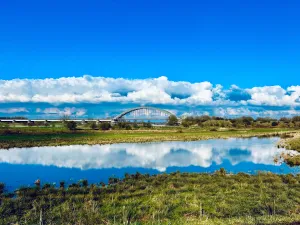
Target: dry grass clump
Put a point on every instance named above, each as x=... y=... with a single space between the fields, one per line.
x=291 y=160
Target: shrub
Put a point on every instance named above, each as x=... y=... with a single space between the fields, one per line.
x=172 y=120
x=105 y=126
x=71 y=125
x=93 y=126
x=147 y=125
x=2 y=186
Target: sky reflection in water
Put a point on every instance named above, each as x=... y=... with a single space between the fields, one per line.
x=98 y=162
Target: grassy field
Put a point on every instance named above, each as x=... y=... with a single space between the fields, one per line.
x=178 y=198
x=35 y=136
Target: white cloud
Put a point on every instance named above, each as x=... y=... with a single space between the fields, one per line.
x=100 y=89
x=274 y=96
x=13 y=110
x=88 y=89
x=242 y=111
x=67 y=111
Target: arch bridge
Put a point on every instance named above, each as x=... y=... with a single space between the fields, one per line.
x=138 y=113
x=143 y=113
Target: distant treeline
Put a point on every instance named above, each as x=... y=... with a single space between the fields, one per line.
x=245 y=121
x=13 y=118
x=198 y=121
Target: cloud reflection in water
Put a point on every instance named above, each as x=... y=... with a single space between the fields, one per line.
x=157 y=156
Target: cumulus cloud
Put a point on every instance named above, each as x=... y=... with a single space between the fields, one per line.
x=13 y=110
x=100 y=89
x=243 y=111
x=67 y=111
x=89 y=89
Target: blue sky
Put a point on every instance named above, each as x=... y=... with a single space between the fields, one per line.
x=244 y=43
x=247 y=43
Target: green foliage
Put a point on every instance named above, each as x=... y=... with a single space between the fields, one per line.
x=135 y=125
x=204 y=121
x=221 y=172
x=172 y=120
x=93 y=126
x=240 y=122
x=147 y=125
x=294 y=143
x=186 y=123
x=105 y=126
x=123 y=125
x=264 y=119
x=296 y=119
x=43 y=136
x=71 y=125
x=83 y=183
x=178 y=198
x=217 y=123
x=4 y=125
x=2 y=186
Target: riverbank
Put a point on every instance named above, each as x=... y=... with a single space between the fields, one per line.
x=34 y=137
x=292 y=142
x=178 y=198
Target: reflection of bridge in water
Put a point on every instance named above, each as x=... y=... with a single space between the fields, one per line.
x=143 y=113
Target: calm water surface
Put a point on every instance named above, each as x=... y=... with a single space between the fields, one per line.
x=22 y=166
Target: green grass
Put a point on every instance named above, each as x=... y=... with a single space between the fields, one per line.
x=178 y=198
x=32 y=136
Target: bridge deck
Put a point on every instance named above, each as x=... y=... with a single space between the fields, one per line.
x=53 y=120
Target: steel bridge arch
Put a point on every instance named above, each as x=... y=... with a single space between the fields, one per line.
x=118 y=117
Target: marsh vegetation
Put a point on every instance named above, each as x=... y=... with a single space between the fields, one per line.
x=178 y=198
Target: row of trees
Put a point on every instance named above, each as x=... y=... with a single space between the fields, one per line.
x=201 y=121
x=71 y=125
x=245 y=121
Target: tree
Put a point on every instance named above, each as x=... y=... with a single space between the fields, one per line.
x=135 y=125
x=172 y=120
x=147 y=125
x=285 y=120
x=93 y=126
x=71 y=125
x=185 y=123
x=105 y=126
x=128 y=127
x=296 y=119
